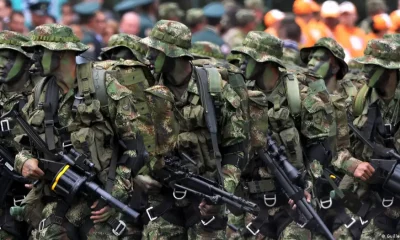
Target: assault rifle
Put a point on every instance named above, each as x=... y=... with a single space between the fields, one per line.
x=8 y=175
x=387 y=170
x=72 y=173
x=289 y=178
x=179 y=178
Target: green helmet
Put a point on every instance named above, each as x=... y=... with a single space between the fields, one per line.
x=171 y=37
x=234 y=57
x=333 y=47
x=262 y=47
x=245 y=16
x=169 y=10
x=127 y=40
x=392 y=36
x=203 y=49
x=384 y=53
x=14 y=41
x=55 y=37
x=194 y=15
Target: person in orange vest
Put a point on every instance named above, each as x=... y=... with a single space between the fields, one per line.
x=380 y=25
x=304 y=14
x=329 y=20
x=347 y=34
x=395 y=18
x=272 y=21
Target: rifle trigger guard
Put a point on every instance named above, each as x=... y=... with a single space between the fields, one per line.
x=387 y=203
x=208 y=222
x=251 y=230
x=363 y=222
x=179 y=192
x=119 y=229
x=266 y=199
x=328 y=202
x=149 y=214
x=5 y=125
x=351 y=223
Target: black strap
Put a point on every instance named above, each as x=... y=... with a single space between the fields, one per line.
x=354 y=226
x=210 y=116
x=50 y=107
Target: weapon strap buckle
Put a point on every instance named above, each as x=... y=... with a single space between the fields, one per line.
x=326 y=204
x=351 y=223
x=49 y=123
x=18 y=200
x=41 y=225
x=175 y=192
x=119 y=229
x=249 y=227
x=301 y=225
x=273 y=199
x=363 y=222
x=387 y=202
x=149 y=214
x=66 y=144
x=208 y=222
x=5 y=125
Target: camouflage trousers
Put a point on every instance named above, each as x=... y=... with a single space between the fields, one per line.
x=292 y=231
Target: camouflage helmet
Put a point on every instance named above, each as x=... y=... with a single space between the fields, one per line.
x=194 y=15
x=171 y=37
x=245 y=16
x=12 y=40
x=262 y=47
x=234 y=57
x=169 y=10
x=383 y=52
x=203 y=49
x=331 y=45
x=392 y=36
x=129 y=41
x=254 y=4
x=55 y=37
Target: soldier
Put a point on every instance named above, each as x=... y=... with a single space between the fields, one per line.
x=195 y=19
x=169 y=44
x=286 y=111
x=376 y=116
x=39 y=12
x=15 y=88
x=245 y=23
x=87 y=123
x=170 y=11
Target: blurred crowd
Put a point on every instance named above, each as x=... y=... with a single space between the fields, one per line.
x=224 y=23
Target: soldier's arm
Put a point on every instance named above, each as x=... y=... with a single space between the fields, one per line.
x=232 y=138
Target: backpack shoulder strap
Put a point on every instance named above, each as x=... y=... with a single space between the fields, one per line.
x=360 y=100
x=91 y=83
x=293 y=93
x=39 y=89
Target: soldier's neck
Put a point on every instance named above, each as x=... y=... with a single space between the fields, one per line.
x=387 y=91
x=17 y=85
x=331 y=84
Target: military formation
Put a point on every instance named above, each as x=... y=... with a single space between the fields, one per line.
x=162 y=138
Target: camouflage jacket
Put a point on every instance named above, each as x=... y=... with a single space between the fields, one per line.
x=390 y=113
x=193 y=135
x=92 y=128
x=7 y=101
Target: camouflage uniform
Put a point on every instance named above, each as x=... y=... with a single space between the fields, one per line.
x=235 y=36
x=313 y=114
x=382 y=53
x=91 y=128
x=126 y=40
x=174 y=39
x=11 y=41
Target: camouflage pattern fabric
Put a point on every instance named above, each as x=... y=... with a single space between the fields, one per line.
x=245 y=16
x=333 y=47
x=130 y=41
x=169 y=10
x=13 y=41
x=392 y=36
x=54 y=37
x=383 y=53
x=202 y=49
x=262 y=47
x=234 y=37
x=172 y=38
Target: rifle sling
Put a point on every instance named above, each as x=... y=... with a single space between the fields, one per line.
x=210 y=116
